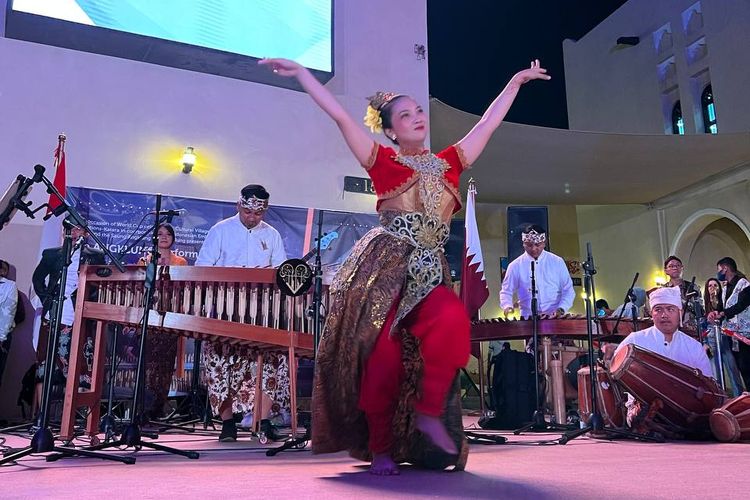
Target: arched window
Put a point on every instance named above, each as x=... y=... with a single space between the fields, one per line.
x=678 y=125
x=709 y=111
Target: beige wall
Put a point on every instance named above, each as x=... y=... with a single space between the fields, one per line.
x=493 y=231
x=623 y=89
x=128 y=122
x=700 y=226
x=624 y=240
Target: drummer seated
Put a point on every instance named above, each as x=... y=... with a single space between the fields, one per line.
x=665 y=337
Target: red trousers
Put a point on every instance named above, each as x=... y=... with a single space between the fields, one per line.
x=441 y=324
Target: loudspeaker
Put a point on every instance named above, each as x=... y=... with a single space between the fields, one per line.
x=518 y=218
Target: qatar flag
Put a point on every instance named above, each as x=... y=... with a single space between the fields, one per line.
x=474 y=291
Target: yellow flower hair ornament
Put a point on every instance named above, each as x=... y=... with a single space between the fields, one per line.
x=373 y=120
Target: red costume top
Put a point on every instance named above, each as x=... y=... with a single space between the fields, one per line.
x=391 y=176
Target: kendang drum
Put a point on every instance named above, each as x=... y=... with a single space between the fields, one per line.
x=687 y=396
x=731 y=422
x=609 y=399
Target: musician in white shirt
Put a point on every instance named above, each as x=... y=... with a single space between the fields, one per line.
x=554 y=287
x=243 y=240
x=665 y=337
x=8 y=305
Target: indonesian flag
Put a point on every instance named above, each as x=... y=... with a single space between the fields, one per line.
x=51 y=229
x=59 y=181
x=474 y=291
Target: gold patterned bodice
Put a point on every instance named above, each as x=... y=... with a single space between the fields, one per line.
x=420 y=216
x=428 y=195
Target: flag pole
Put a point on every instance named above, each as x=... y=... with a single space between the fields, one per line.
x=471 y=193
x=59 y=179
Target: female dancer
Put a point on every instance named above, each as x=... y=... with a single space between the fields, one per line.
x=396 y=334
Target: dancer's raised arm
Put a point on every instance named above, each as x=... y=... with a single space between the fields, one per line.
x=474 y=142
x=354 y=134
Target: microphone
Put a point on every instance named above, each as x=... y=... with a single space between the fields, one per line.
x=170 y=213
x=78 y=243
x=38 y=173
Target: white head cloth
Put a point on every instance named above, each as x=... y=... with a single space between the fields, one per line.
x=666 y=295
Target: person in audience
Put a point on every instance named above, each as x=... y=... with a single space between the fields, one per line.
x=602 y=308
x=46 y=282
x=735 y=314
x=632 y=309
x=394 y=287
x=8 y=307
x=728 y=369
x=689 y=291
x=243 y=240
x=161 y=347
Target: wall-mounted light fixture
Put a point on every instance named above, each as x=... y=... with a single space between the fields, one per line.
x=188 y=160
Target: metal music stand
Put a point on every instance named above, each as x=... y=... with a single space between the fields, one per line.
x=318 y=317
x=538 y=422
x=596 y=423
x=625 y=304
x=199 y=408
x=43 y=441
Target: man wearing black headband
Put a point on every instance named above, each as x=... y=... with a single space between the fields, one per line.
x=243 y=240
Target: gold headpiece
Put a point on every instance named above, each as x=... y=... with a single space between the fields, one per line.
x=533 y=237
x=372 y=118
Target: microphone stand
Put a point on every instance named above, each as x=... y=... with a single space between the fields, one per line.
x=692 y=300
x=43 y=441
x=596 y=423
x=198 y=408
x=318 y=318
x=131 y=436
x=625 y=305
x=538 y=422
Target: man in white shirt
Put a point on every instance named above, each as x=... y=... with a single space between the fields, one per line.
x=665 y=337
x=8 y=304
x=554 y=287
x=243 y=240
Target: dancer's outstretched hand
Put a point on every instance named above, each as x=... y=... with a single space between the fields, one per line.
x=283 y=67
x=535 y=72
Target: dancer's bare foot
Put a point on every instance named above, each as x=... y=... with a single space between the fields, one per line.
x=383 y=465
x=434 y=429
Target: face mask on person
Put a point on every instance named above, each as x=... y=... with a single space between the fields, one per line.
x=721 y=276
x=601 y=313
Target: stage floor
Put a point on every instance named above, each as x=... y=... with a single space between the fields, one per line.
x=583 y=468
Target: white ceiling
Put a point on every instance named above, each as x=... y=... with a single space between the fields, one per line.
x=531 y=165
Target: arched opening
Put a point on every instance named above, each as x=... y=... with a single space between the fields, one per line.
x=706 y=237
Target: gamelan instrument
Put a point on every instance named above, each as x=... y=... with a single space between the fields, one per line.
x=687 y=396
x=216 y=304
x=570 y=327
x=608 y=397
x=731 y=422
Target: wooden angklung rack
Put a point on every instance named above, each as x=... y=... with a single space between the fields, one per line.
x=570 y=327
x=217 y=304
